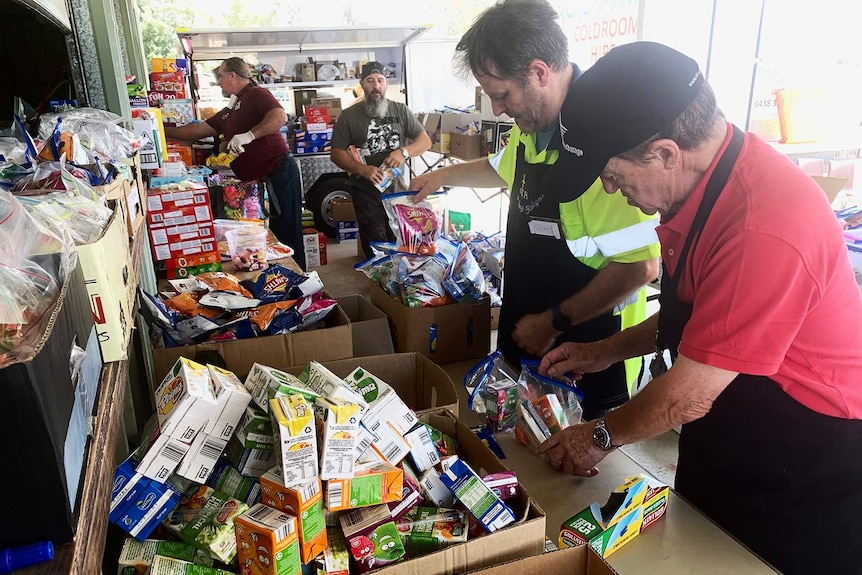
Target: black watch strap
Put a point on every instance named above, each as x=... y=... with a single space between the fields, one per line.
x=559 y=320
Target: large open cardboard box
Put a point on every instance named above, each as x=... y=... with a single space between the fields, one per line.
x=420 y=383
x=443 y=334
x=581 y=560
x=369 y=325
x=524 y=538
x=334 y=341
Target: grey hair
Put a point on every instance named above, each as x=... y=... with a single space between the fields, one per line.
x=690 y=130
x=239 y=67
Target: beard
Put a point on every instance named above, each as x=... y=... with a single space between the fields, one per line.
x=376 y=109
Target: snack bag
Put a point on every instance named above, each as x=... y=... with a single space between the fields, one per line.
x=545 y=405
x=492 y=371
x=416 y=226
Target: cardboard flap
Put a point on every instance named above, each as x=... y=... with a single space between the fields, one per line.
x=830 y=186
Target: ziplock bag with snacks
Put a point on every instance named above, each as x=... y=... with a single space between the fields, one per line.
x=545 y=406
x=492 y=391
x=416 y=226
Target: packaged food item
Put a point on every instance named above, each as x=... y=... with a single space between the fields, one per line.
x=425 y=530
x=305 y=501
x=468 y=487
x=338 y=426
x=206 y=520
x=416 y=226
x=371 y=484
x=381 y=547
x=267 y=542
x=296 y=446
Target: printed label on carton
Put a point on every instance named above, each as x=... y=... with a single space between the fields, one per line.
x=476 y=496
x=267 y=542
x=297 y=444
x=262 y=381
x=338 y=422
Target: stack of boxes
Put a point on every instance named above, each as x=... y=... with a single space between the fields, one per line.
x=316 y=131
x=181 y=228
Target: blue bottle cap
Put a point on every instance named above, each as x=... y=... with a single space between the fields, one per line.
x=20 y=557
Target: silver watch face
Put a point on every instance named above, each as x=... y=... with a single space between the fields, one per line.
x=602 y=438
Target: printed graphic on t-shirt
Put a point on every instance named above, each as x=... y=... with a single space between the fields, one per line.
x=383 y=135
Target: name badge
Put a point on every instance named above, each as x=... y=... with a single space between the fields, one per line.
x=545 y=227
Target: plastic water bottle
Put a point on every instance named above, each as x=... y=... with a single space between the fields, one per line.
x=16 y=558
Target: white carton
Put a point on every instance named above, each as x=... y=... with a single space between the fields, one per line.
x=201 y=459
x=297 y=439
x=389 y=444
x=384 y=404
x=254 y=429
x=470 y=490
x=434 y=490
x=232 y=398
x=262 y=381
x=185 y=400
x=163 y=458
x=338 y=423
x=423 y=451
x=327 y=384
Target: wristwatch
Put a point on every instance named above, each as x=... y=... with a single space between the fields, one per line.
x=559 y=320
x=405 y=153
x=602 y=437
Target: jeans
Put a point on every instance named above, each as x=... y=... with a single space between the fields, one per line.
x=370 y=214
x=285 y=206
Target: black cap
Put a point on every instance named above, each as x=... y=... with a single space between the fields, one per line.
x=629 y=95
x=373 y=67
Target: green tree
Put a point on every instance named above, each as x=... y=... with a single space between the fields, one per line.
x=159 y=20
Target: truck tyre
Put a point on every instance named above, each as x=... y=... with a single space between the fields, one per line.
x=319 y=198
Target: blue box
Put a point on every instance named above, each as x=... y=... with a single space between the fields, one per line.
x=347 y=230
x=153 y=502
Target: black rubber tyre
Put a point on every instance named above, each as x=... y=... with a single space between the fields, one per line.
x=319 y=201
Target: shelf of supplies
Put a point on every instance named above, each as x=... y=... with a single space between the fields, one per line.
x=319 y=84
x=83 y=556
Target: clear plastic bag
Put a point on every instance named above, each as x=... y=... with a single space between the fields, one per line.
x=421 y=280
x=98 y=131
x=416 y=226
x=492 y=391
x=464 y=280
x=545 y=406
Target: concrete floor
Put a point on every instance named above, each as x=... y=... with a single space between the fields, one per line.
x=658 y=456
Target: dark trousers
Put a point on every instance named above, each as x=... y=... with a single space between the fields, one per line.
x=285 y=206
x=370 y=214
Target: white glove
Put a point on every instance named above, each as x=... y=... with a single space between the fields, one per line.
x=237 y=143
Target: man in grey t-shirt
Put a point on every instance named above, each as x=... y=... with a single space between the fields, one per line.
x=385 y=133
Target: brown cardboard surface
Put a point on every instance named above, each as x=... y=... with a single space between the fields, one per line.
x=439 y=127
x=134 y=207
x=369 y=325
x=464 y=146
x=343 y=211
x=335 y=341
x=524 y=538
x=463 y=331
x=830 y=186
x=421 y=384
x=581 y=560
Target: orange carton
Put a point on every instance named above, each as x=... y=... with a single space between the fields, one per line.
x=373 y=484
x=305 y=501
x=267 y=542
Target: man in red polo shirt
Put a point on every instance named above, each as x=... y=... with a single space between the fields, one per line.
x=250 y=125
x=760 y=311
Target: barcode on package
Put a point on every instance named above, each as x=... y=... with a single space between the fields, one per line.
x=334 y=494
x=286 y=527
x=261 y=512
x=260 y=454
x=172 y=453
x=211 y=449
x=310 y=490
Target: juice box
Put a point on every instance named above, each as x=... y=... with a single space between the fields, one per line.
x=251 y=462
x=262 y=381
x=411 y=495
x=206 y=520
x=202 y=457
x=362 y=521
x=504 y=484
x=305 y=501
x=136 y=557
x=434 y=489
x=476 y=496
x=336 y=558
x=379 y=548
x=423 y=451
x=254 y=429
x=384 y=404
x=163 y=458
x=371 y=485
x=267 y=542
x=326 y=384
x=501 y=403
x=232 y=398
x=425 y=530
x=227 y=479
x=549 y=409
x=297 y=438
x=152 y=502
x=185 y=400
x=169 y=566
x=338 y=426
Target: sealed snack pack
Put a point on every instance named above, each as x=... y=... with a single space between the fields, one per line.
x=416 y=226
x=421 y=280
x=493 y=391
x=545 y=406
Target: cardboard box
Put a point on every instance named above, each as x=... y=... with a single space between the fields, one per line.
x=439 y=127
x=37 y=416
x=421 y=384
x=524 y=538
x=369 y=326
x=135 y=208
x=108 y=275
x=464 y=146
x=635 y=505
x=334 y=341
x=348 y=230
x=443 y=334
x=342 y=210
x=581 y=560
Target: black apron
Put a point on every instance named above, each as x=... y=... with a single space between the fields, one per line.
x=540 y=271
x=783 y=479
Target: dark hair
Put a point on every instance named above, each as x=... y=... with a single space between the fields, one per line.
x=239 y=67
x=690 y=130
x=509 y=35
